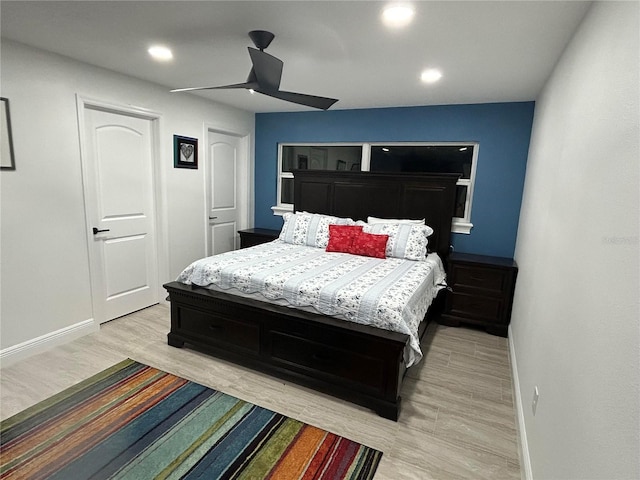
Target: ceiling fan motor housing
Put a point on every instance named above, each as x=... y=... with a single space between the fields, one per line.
x=261 y=38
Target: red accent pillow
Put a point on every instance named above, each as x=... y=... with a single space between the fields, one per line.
x=370 y=245
x=341 y=237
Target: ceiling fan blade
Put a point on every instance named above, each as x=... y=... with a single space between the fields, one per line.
x=246 y=85
x=323 y=103
x=266 y=68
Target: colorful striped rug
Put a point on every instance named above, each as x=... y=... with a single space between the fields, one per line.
x=135 y=422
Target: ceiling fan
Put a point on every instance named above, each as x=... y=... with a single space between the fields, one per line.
x=265 y=76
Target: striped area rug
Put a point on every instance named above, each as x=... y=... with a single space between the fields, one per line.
x=135 y=422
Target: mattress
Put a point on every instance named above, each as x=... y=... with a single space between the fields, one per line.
x=391 y=294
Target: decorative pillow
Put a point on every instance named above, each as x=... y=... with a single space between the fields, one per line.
x=373 y=220
x=341 y=237
x=369 y=245
x=405 y=240
x=310 y=229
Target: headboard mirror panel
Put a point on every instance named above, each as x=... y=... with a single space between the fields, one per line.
x=386 y=195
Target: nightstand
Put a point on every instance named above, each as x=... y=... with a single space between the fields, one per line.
x=482 y=292
x=256 y=236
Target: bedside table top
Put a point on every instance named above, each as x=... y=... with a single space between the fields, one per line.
x=482 y=259
x=261 y=231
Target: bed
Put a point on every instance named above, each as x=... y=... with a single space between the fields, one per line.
x=356 y=362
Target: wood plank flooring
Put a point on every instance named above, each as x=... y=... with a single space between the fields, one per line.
x=457 y=419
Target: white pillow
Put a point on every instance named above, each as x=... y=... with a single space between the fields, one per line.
x=374 y=220
x=405 y=240
x=310 y=229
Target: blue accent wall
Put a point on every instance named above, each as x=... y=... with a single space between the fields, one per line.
x=503 y=131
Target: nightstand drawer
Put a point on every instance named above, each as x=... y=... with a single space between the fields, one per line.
x=472 y=276
x=476 y=307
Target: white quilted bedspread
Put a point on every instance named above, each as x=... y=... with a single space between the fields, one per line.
x=392 y=294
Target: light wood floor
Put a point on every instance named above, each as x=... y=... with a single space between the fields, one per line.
x=457 y=419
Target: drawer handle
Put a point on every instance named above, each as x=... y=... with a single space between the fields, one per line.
x=473 y=277
x=215 y=327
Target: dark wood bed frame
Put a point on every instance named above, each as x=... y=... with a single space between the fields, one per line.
x=358 y=363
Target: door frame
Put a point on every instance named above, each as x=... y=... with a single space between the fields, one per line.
x=159 y=216
x=245 y=190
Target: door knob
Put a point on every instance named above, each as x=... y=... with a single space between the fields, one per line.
x=96 y=231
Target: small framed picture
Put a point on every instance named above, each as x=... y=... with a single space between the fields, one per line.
x=185 y=152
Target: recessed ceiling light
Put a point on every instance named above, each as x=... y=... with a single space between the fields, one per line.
x=160 y=53
x=397 y=15
x=431 y=75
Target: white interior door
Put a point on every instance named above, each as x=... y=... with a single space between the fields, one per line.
x=222 y=191
x=119 y=195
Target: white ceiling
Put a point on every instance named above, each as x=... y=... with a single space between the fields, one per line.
x=488 y=51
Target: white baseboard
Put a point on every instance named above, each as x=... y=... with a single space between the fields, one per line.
x=31 y=347
x=525 y=460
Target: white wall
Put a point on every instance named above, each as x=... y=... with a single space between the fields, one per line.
x=44 y=257
x=575 y=324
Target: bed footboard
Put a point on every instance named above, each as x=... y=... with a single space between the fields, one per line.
x=358 y=363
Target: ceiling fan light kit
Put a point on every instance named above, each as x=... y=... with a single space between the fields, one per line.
x=265 y=76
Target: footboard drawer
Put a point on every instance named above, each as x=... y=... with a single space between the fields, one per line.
x=236 y=334
x=325 y=361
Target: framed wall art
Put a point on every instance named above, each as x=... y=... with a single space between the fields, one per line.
x=185 y=152
x=7 y=158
